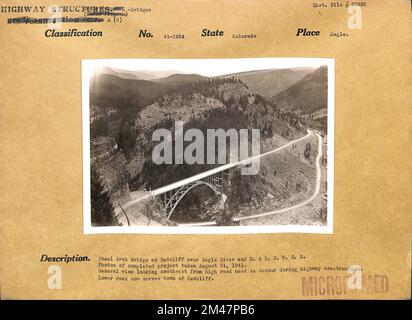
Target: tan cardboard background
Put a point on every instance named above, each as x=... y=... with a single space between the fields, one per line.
x=41 y=146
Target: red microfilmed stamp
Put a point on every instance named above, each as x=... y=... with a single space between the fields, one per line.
x=340 y=285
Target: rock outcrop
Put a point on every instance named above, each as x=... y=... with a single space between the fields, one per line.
x=111 y=166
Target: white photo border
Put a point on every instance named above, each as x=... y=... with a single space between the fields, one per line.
x=88 y=66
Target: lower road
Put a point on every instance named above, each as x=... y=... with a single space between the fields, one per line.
x=301 y=204
x=138 y=196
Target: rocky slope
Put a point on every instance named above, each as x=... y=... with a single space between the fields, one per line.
x=111 y=166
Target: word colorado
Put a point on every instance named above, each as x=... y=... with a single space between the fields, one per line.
x=51 y=33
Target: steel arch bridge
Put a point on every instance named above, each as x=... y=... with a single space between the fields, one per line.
x=172 y=198
x=214 y=178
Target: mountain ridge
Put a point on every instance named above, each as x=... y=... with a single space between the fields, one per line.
x=307 y=95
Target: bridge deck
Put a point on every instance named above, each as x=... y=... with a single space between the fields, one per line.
x=210 y=172
x=224 y=167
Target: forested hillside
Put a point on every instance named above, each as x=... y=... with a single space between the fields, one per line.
x=125 y=111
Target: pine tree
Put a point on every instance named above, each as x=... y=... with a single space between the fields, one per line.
x=307 y=150
x=102 y=211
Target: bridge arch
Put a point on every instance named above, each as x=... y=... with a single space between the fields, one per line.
x=182 y=191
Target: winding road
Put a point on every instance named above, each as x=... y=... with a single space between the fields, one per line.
x=301 y=204
x=138 y=196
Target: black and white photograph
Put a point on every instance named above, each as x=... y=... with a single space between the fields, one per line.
x=208 y=145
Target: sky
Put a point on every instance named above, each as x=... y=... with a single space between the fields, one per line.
x=208 y=67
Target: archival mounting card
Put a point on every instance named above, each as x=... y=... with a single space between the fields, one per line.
x=205 y=149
